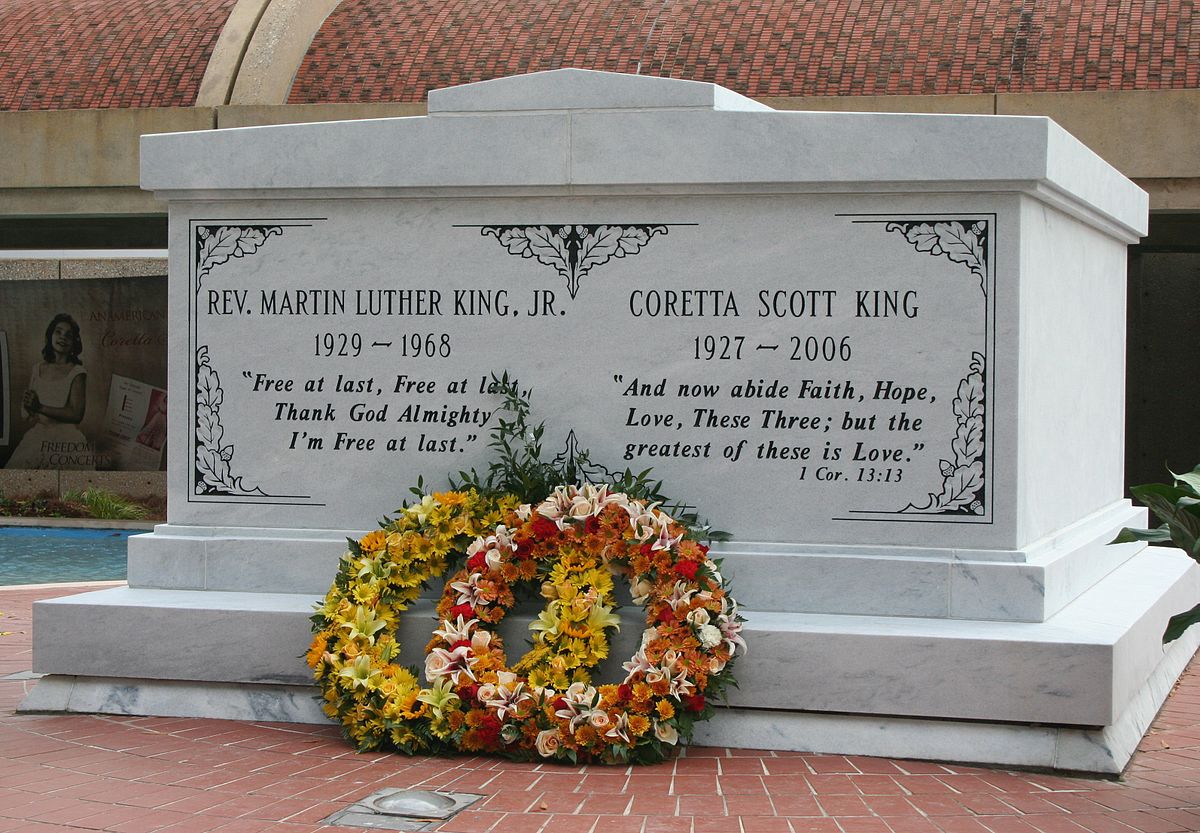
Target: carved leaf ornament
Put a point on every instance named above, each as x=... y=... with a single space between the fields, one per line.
x=960 y=242
x=214 y=246
x=213 y=474
x=573 y=250
x=963 y=479
x=544 y=707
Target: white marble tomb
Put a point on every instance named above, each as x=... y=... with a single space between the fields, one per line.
x=884 y=351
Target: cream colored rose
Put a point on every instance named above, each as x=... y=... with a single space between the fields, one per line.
x=599 y=719
x=581 y=508
x=642 y=591
x=548 y=741
x=438 y=663
x=698 y=617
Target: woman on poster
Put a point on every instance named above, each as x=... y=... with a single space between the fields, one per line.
x=56 y=401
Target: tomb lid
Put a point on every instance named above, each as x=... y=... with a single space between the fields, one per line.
x=579 y=132
x=585 y=89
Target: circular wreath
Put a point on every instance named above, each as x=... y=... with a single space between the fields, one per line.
x=544 y=706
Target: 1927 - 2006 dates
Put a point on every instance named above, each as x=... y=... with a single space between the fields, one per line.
x=796 y=348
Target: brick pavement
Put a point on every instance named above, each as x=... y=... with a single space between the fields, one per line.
x=138 y=775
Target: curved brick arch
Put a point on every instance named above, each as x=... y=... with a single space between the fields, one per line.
x=397 y=50
x=63 y=54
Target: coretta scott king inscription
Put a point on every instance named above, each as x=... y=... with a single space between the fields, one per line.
x=797 y=366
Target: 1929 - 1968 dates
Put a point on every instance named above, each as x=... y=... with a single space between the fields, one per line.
x=410 y=345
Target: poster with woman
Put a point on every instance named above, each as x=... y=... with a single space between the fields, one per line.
x=69 y=345
x=54 y=402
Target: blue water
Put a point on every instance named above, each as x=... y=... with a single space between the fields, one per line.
x=41 y=555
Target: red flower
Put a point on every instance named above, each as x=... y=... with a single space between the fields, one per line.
x=687 y=569
x=591 y=524
x=489 y=730
x=703 y=548
x=477 y=561
x=468 y=692
x=543 y=527
x=625 y=691
x=463 y=610
x=666 y=616
x=560 y=704
x=694 y=703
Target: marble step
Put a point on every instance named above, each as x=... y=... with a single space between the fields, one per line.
x=1028 y=585
x=1080 y=668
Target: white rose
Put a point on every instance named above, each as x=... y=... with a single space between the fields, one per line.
x=599 y=719
x=698 y=617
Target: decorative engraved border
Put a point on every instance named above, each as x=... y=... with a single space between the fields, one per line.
x=964 y=482
x=213 y=243
x=573 y=250
x=965 y=493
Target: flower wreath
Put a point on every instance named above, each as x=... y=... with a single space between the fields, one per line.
x=545 y=706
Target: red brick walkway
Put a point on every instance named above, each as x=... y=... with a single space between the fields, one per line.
x=135 y=775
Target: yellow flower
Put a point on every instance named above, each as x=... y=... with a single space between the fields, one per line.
x=440 y=697
x=365 y=624
x=422 y=510
x=361 y=674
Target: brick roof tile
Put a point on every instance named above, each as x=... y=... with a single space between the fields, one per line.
x=397 y=50
x=61 y=54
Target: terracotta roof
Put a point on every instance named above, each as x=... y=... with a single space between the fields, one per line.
x=397 y=50
x=140 y=53
x=60 y=54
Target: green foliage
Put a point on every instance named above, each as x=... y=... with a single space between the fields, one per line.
x=1178 y=507
x=107 y=506
x=517 y=466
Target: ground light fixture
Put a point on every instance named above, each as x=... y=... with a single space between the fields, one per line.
x=395 y=808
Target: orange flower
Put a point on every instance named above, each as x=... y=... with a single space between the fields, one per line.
x=373 y=541
x=665 y=710
x=316 y=650
x=638 y=724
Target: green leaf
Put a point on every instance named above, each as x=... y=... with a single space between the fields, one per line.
x=1190 y=479
x=1159 y=496
x=1161 y=535
x=1163 y=500
x=1179 y=623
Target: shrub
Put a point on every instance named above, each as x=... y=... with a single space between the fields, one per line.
x=1178 y=507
